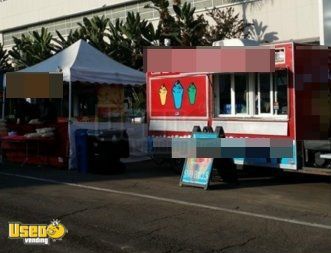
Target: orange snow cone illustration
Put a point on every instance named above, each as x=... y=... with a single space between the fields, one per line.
x=163 y=94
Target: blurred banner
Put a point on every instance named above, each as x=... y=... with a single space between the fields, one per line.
x=34 y=85
x=209 y=59
x=110 y=101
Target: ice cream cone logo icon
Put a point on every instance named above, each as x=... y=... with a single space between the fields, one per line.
x=177 y=94
x=192 y=93
x=163 y=94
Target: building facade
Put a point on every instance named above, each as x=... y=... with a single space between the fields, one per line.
x=273 y=20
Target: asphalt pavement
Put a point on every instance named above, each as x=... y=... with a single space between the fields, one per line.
x=145 y=210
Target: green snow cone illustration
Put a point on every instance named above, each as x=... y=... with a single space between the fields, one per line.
x=177 y=93
x=192 y=93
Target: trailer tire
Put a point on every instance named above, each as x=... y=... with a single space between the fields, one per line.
x=227 y=170
x=159 y=161
x=319 y=162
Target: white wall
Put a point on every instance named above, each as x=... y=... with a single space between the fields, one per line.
x=291 y=19
x=288 y=19
x=15 y=13
x=285 y=19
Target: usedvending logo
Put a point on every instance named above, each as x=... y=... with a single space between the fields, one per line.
x=37 y=234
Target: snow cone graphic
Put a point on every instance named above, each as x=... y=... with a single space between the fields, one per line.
x=192 y=93
x=163 y=94
x=177 y=94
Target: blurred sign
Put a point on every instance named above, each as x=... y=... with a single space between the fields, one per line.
x=196 y=172
x=280 y=55
x=110 y=101
x=34 y=85
x=209 y=59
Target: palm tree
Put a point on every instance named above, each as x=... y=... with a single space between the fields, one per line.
x=62 y=43
x=119 y=45
x=192 y=30
x=127 y=39
x=139 y=33
x=95 y=30
x=187 y=29
x=4 y=60
x=167 y=27
x=228 y=25
x=32 y=48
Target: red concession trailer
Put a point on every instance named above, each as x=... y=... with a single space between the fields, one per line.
x=293 y=101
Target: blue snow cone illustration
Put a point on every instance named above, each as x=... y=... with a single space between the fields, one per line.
x=177 y=94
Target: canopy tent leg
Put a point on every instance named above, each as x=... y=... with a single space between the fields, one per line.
x=3 y=103
x=70 y=98
x=69 y=126
x=3 y=97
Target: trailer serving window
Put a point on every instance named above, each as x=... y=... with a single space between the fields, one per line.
x=281 y=92
x=232 y=94
x=263 y=94
x=224 y=94
x=259 y=94
x=241 y=93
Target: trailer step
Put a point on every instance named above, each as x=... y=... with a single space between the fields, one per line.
x=315 y=171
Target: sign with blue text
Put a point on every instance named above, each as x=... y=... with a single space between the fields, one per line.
x=196 y=172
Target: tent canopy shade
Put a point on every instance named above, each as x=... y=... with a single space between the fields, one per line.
x=81 y=62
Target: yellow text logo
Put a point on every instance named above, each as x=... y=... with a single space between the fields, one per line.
x=37 y=233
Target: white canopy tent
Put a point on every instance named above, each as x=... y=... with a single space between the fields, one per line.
x=84 y=63
x=81 y=62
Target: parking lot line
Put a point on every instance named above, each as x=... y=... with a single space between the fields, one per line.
x=174 y=201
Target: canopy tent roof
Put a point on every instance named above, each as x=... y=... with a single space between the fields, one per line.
x=84 y=63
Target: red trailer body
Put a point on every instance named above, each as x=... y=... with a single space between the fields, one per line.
x=293 y=102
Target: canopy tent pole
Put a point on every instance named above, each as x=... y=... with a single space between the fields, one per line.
x=3 y=103
x=70 y=106
x=3 y=97
x=69 y=125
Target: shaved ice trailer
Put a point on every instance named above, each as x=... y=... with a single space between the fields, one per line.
x=292 y=101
